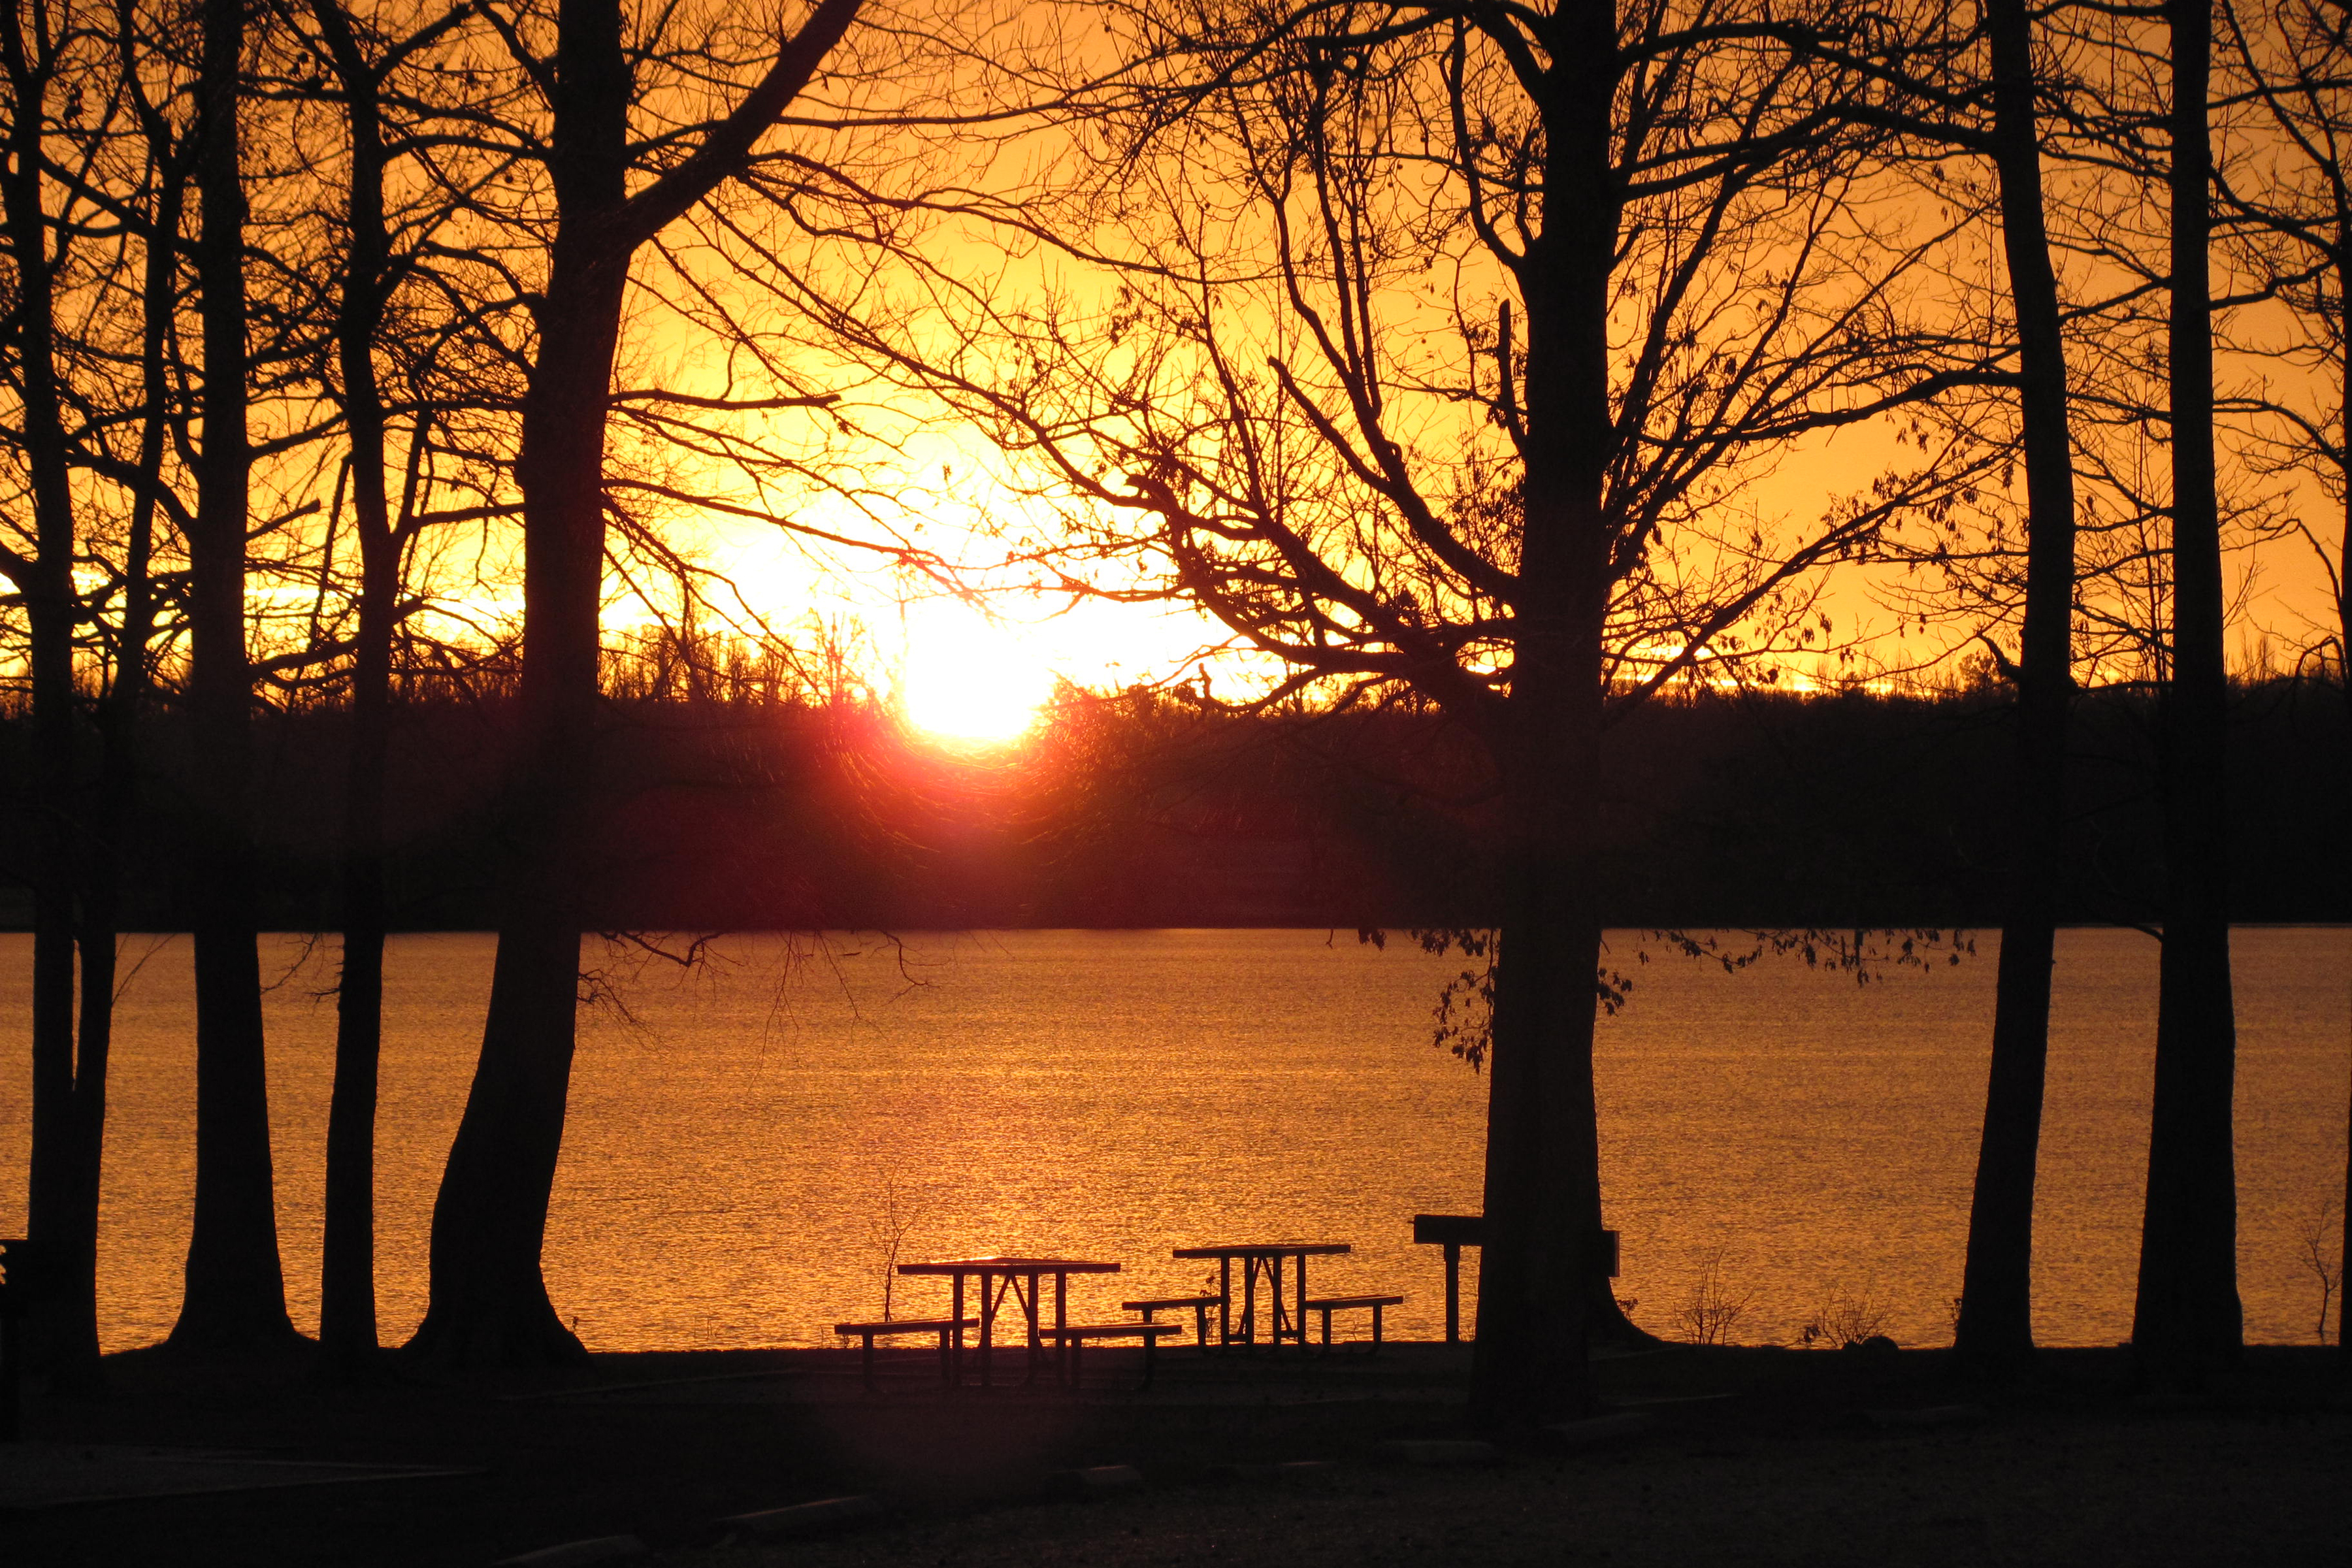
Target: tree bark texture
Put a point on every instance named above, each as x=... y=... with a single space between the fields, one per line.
x=2187 y=1321
x=1542 y=1179
x=1995 y=1332
x=236 y=1297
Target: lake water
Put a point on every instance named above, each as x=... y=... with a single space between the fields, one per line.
x=740 y=1141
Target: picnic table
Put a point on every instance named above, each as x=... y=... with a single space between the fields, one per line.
x=997 y=1275
x=1287 y=1320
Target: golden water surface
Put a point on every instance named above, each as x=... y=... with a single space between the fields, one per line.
x=745 y=1140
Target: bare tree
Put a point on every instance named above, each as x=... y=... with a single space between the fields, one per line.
x=151 y=191
x=1441 y=348
x=2290 y=213
x=2187 y=1318
x=101 y=161
x=1996 y=1323
x=361 y=61
x=39 y=56
x=1973 y=84
x=488 y=1303
x=235 y=1284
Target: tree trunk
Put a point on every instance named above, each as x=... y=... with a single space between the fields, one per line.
x=2344 y=695
x=1541 y=1258
x=347 y=1305
x=489 y=1303
x=45 y=583
x=2187 y=1321
x=236 y=1297
x=74 y=1279
x=1995 y=1333
x=347 y=1314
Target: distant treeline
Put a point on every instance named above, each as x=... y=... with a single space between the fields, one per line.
x=1764 y=810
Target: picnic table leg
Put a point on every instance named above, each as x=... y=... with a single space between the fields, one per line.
x=1299 y=1319
x=1200 y=1325
x=866 y=1361
x=1277 y=1309
x=1249 y=1301
x=987 y=1325
x=1376 y=1328
x=1225 y=1301
x=955 y=1356
x=1452 y=1292
x=1061 y=1322
x=1029 y=1305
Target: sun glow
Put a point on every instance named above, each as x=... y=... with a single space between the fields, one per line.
x=963 y=677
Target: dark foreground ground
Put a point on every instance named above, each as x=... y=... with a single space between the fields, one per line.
x=1750 y=1456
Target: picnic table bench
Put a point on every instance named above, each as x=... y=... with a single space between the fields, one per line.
x=1200 y=1305
x=949 y=1331
x=1330 y=1304
x=1072 y=1338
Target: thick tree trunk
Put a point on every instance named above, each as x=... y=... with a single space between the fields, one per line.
x=489 y=1303
x=1541 y=1260
x=1996 y=1328
x=347 y=1305
x=2187 y=1320
x=236 y=1297
x=67 y=1346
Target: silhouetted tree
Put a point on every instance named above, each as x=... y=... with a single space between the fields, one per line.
x=99 y=172
x=39 y=58
x=2187 y=1318
x=488 y=1301
x=2292 y=210
x=373 y=271
x=235 y=1286
x=1444 y=344
x=1996 y=1321
x=1973 y=84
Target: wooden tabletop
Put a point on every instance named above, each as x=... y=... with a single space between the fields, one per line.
x=1265 y=1250
x=1009 y=1265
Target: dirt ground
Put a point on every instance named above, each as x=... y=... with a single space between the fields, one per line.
x=1750 y=1456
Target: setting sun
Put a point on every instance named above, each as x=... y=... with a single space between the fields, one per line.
x=963 y=677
